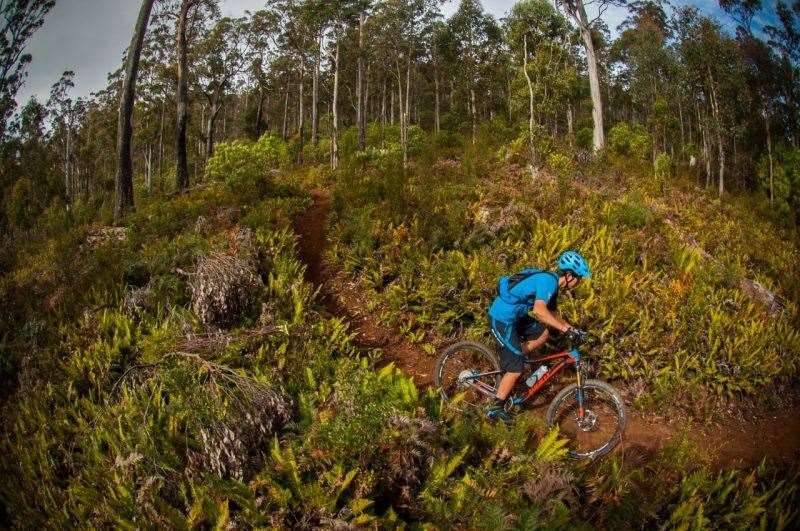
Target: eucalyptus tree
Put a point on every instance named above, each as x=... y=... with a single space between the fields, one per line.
x=784 y=36
x=710 y=57
x=535 y=30
x=124 y=177
x=157 y=84
x=19 y=20
x=222 y=54
x=576 y=9
x=645 y=67
x=262 y=43
x=306 y=24
x=27 y=174
x=364 y=8
x=344 y=14
x=405 y=23
x=296 y=41
x=66 y=115
x=191 y=15
x=472 y=31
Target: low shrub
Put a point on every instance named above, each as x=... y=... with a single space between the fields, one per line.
x=243 y=165
x=634 y=142
x=584 y=138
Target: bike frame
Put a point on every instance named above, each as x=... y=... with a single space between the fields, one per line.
x=567 y=357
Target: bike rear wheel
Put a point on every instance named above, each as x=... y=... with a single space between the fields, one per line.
x=601 y=427
x=456 y=371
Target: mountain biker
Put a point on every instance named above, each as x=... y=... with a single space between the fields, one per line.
x=519 y=334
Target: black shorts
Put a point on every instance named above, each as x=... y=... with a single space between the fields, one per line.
x=510 y=339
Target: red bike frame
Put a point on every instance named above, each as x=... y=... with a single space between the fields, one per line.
x=567 y=357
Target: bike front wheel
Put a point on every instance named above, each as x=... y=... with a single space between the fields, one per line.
x=470 y=368
x=600 y=428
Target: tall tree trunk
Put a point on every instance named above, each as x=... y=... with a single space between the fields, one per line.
x=391 y=105
x=68 y=188
x=383 y=110
x=531 y=146
x=436 y=92
x=473 y=111
x=405 y=112
x=383 y=104
x=182 y=122
x=680 y=115
x=161 y=138
x=259 y=111
x=148 y=163
x=286 y=111
x=703 y=128
x=720 y=146
x=360 y=83
x=124 y=178
x=315 y=94
x=769 y=154
x=301 y=110
x=212 y=121
x=598 y=136
x=335 y=132
x=401 y=113
x=569 y=125
x=368 y=105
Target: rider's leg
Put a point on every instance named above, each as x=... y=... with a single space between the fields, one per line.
x=506 y=385
x=512 y=363
x=510 y=378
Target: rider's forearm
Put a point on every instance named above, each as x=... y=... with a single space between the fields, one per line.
x=548 y=318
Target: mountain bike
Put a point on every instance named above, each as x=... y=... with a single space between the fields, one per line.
x=589 y=413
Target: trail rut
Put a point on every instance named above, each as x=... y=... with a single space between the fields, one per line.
x=343 y=298
x=734 y=442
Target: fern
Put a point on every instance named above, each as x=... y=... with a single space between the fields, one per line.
x=551 y=447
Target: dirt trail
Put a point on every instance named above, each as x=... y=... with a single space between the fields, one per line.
x=728 y=443
x=343 y=298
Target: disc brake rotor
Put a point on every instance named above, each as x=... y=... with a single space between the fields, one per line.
x=588 y=422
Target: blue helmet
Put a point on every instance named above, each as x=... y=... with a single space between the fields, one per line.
x=573 y=261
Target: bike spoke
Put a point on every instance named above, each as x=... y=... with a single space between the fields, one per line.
x=599 y=426
x=458 y=376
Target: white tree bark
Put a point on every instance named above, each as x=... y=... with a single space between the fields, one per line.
x=335 y=132
x=360 y=83
x=578 y=13
x=534 y=161
x=315 y=94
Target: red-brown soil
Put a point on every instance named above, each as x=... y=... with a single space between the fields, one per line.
x=343 y=298
x=730 y=442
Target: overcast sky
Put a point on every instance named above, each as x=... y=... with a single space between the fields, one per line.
x=89 y=37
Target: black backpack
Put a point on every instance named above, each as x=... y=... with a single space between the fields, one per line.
x=506 y=283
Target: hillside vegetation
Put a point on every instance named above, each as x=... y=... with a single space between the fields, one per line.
x=180 y=371
x=670 y=305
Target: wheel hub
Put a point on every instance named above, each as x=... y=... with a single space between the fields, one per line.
x=588 y=422
x=465 y=377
